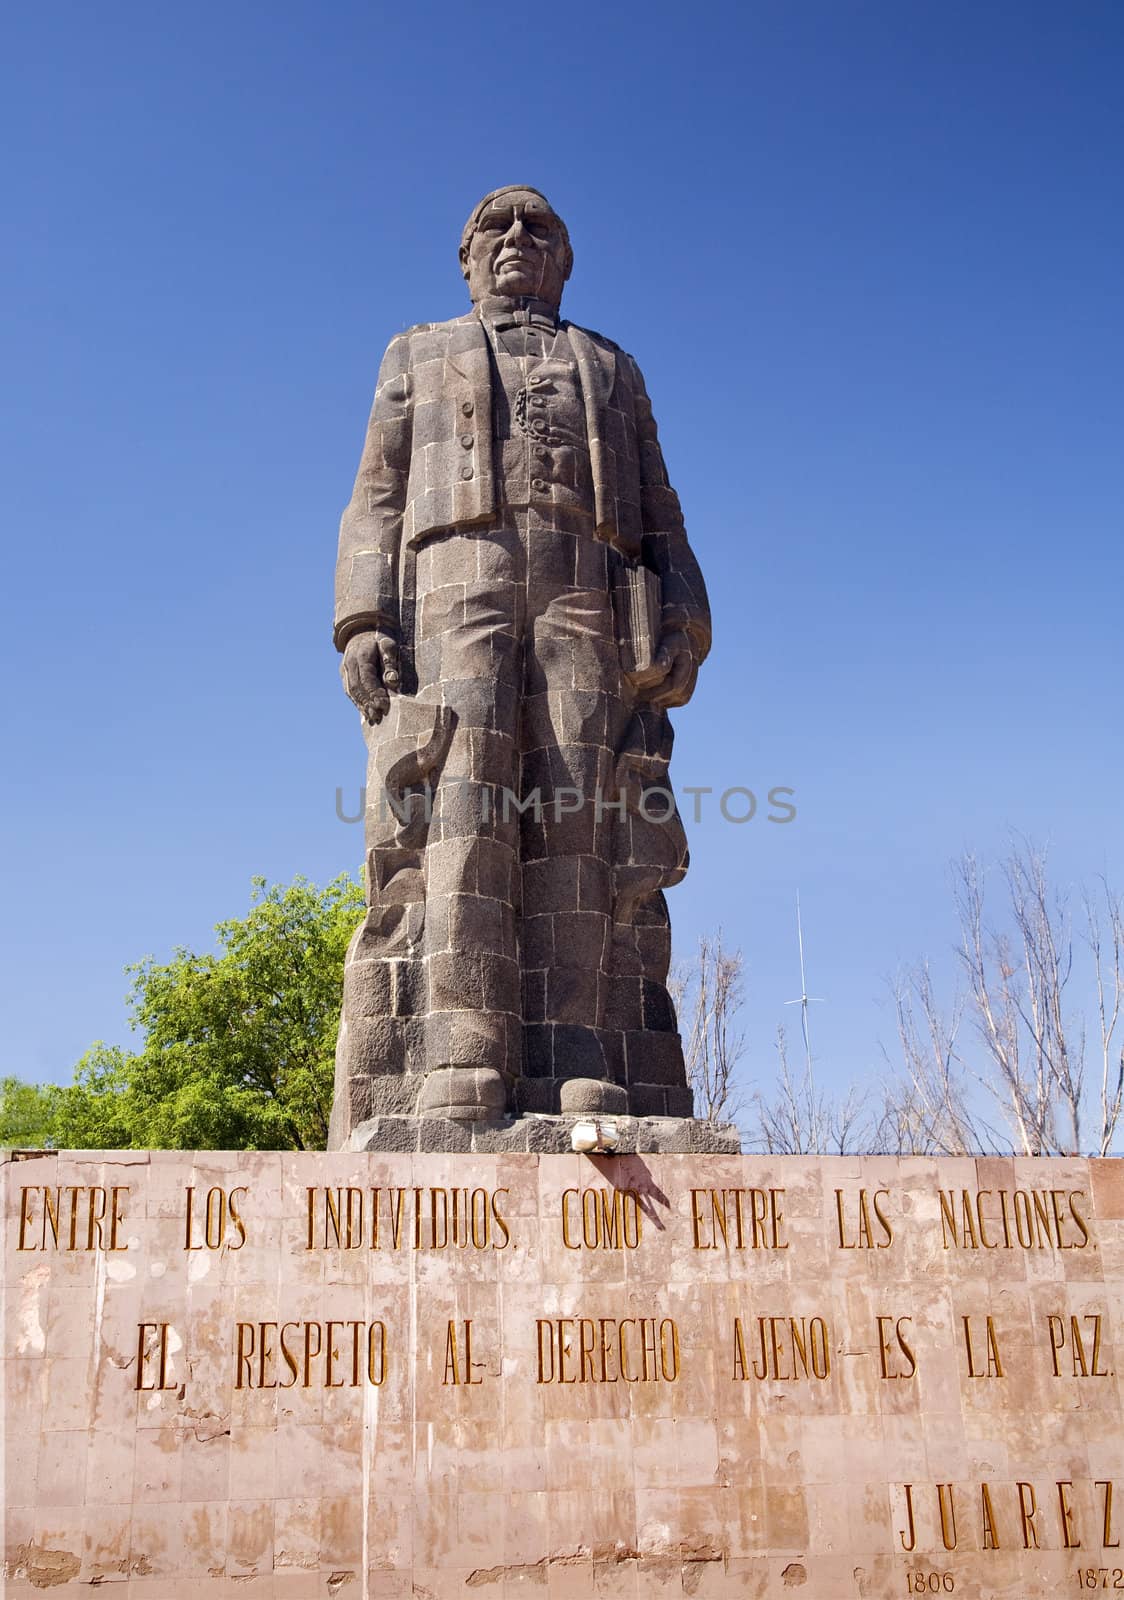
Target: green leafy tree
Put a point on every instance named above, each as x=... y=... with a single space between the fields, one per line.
x=239 y=1044
x=27 y=1114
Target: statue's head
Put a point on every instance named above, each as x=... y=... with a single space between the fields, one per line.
x=514 y=243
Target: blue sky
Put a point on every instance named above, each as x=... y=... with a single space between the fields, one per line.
x=869 y=257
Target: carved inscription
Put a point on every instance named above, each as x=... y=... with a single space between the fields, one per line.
x=737 y=1219
x=449 y=1299
x=862 y=1221
x=80 y=1217
x=1004 y=1516
x=782 y=1348
x=1014 y=1219
x=601 y=1219
x=214 y=1220
x=311 y=1355
x=406 y=1219
x=607 y=1350
x=1078 y=1343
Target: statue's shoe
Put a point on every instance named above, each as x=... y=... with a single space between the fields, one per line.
x=593 y=1097
x=463 y=1094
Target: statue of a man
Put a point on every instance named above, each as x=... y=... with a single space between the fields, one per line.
x=517 y=606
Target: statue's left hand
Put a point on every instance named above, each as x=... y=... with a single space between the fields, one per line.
x=370 y=671
x=677 y=658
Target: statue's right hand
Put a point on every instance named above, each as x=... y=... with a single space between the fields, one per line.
x=370 y=671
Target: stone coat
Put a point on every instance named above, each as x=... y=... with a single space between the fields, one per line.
x=428 y=466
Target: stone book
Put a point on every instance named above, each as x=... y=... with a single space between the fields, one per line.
x=639 y=603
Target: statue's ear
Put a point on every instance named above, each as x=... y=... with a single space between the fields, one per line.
x=463 y=255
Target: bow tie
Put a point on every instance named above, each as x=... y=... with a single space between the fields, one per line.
x=501 y=318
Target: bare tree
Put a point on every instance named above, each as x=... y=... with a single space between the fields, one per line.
x=1017 y=981
x=927 y=1105
x=708 y=992
x=796 y=1119
x=1108 y=964
x=1030 y=1043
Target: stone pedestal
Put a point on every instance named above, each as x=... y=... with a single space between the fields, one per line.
x=423 y=1376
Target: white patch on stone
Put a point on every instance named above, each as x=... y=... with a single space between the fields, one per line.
x=32 y=1335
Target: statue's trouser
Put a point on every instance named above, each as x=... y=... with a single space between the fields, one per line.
x=515 y=634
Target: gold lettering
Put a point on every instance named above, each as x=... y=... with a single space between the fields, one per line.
x=217 y=1208
x=311 y=1328
x=726 y=1209
x=602 y=1350
x=911 y=1542
x=144 y=1328
x=777 y=1217
x=994 y=1365
x=1028 y=1507
x=564 y=1349
x=622 y=1352
x=333 y=1215
x=883 y=1219
x=116 y=1215
x=332 y=1354
x=545 y=1330
x=669 y=1350
x=481 y=1219
x=243 y=1360
x=376 y=1353
x=586 y=1337
x=288 y=1357
x=499 y=1221
x=52 y=1209
x=1098 y=1370
x=1006 y=1219
x=104 y=1214
x=948 y=1516
x=987 y=1516
x=25 y=1218
x=903 y=1346
x=981 y=1221
x=566 y=1240
x=696 y=1220
x=604 y=1347
x=265 y=1354
x=740 y=1371
x=236 y=1216
x=1056 y=1197
x=610 y=1223
x=95 y=1218
x=1023 y=1229
x=948 y=1224
x=1042 y=1230
x=452 y=1357
x=759 y=1210
x=718 y=1216
x=1107 y=1541
x=1068 y=1539
x=865 y=1231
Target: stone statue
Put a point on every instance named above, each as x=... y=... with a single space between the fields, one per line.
x=518 y=607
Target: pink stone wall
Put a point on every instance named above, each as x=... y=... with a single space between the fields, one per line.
x=561 y=1376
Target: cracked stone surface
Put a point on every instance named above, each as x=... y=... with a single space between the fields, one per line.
x=499 y=1371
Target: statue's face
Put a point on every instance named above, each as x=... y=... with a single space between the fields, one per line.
x=518 y=249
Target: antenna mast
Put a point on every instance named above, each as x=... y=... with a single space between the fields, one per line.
x=804 y=1001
